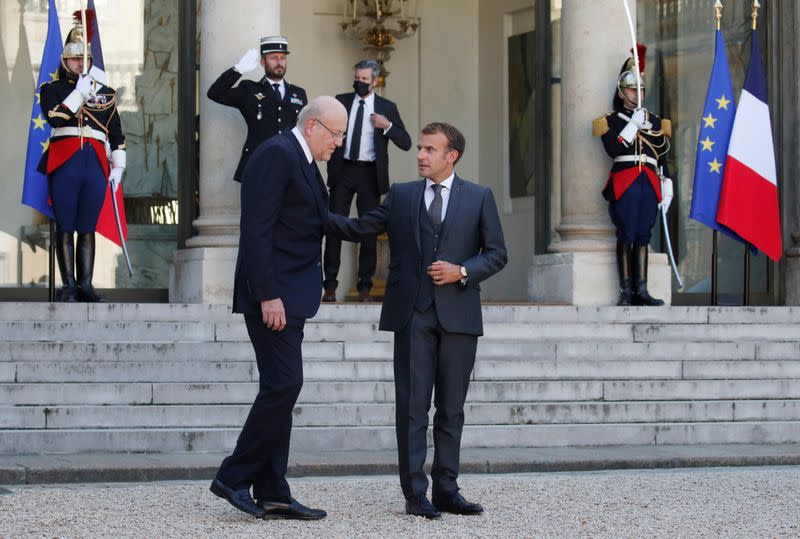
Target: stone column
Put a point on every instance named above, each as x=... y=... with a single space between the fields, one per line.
x=203 y=273
x=581 y=266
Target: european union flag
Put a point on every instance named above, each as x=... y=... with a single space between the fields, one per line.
x=34 y=189
x=712 y=144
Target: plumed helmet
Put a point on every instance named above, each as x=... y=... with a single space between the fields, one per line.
x=627 y=75
x=73 y=45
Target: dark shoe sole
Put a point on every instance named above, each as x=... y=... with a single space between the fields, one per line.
x=219 y=492
x=273 y=516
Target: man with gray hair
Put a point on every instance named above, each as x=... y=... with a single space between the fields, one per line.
x=276 y=288
x=361 y=168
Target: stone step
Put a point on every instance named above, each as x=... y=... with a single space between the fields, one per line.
x=377 y=414
x=383 y=437
x=188 y=371
x=382 y=370
x=49 y=331
x=723 y=332
x=361 y=351
x=701 y=389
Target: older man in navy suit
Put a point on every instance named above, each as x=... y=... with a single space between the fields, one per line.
x=277 y=287
x=445 y=238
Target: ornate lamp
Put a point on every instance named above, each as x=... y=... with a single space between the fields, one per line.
x=378 y=24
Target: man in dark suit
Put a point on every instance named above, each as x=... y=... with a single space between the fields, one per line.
x=361 y=168
x=269 y=106
x=445 y=238
x=277 y=287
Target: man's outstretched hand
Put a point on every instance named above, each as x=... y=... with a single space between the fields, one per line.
x=273 y=315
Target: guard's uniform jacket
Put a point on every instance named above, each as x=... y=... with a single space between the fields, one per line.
x=261 y=109
x=644 y=156
x=96 y=121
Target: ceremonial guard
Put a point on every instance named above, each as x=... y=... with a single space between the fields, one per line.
x=637 y=186
x=87 y=133
x=269 y=106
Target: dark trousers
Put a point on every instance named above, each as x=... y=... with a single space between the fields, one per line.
x=427 y=357
x=634 y=214
x=262 y=450
x=362 y=182
x=78 y=189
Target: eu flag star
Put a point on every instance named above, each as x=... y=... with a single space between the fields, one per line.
x=38 y=123
x=715 y=166
x=53 y=75
x=38 y=98
x=722 y=103
x=45 y=145
x=710 y=121
x=707 y=144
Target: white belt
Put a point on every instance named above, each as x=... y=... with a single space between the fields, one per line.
x=85 y=132
x=636 y=159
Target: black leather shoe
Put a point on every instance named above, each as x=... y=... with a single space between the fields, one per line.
x=420 y=506
x=290 y=509
x=329 y=296
x=456 y=504
x=240 y=499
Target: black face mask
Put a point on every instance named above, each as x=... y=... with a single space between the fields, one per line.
x=361 y=88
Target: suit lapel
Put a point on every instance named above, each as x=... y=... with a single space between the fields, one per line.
x=452 y=207
x=416 y=200
x=311 y=172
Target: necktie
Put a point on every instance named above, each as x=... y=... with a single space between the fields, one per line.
x=355 y=141
x=435 y=209
x=277 y=88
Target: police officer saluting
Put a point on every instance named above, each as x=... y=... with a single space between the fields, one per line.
x=269 y=106
x=87 y=131
x=636 y=189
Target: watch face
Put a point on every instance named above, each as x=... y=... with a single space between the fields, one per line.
x=463 y=271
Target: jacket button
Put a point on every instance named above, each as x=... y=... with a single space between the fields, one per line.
x=279 y=120
x=280 y=131
x=279 y=108
x=318 y=264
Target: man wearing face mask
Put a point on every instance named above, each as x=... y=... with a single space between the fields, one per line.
x=361 y=168
x=269 y=106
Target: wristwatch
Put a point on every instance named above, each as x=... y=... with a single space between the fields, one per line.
x=463 y=275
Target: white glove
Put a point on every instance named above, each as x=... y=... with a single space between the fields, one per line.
x=666 y=194
x=98 y=75
x=84 y=86
x=639 y=119
x=118 y=158
x=248 y=62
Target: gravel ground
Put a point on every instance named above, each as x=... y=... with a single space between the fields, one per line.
x=716 y=502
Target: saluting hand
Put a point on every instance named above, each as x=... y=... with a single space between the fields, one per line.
x=273 y=315
x=443 y=273
x=248 y=62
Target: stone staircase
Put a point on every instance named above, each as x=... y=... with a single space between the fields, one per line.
x=176 y=378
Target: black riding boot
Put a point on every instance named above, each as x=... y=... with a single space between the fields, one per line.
x=624 y=256
x=85 y=267
x=65 y=255
x=641 y=295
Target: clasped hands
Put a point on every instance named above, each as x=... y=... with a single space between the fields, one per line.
x=442 y=273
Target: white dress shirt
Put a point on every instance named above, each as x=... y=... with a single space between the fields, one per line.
x=303 y=144
x=366 y=152
x=280 y=83
x=446 y=187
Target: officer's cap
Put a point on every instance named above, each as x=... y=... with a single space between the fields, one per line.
x=274 y=44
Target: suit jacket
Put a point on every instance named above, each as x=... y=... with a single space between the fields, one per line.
x=471 y=236
x=397 y=134
x=284 y=209
x=277 y=116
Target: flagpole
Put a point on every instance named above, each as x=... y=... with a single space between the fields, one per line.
x=746 y=291
x=51 y=262
x=715 y=240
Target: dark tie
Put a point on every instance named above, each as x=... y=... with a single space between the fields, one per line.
x=355 y=141
x=277 y=88
x=435 y=209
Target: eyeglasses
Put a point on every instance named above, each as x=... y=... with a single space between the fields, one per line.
x=336 y=136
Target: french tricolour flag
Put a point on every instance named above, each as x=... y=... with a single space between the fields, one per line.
x=748 y=202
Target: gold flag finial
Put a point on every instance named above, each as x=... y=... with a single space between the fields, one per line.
x=718 y=8
x=756 y=5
